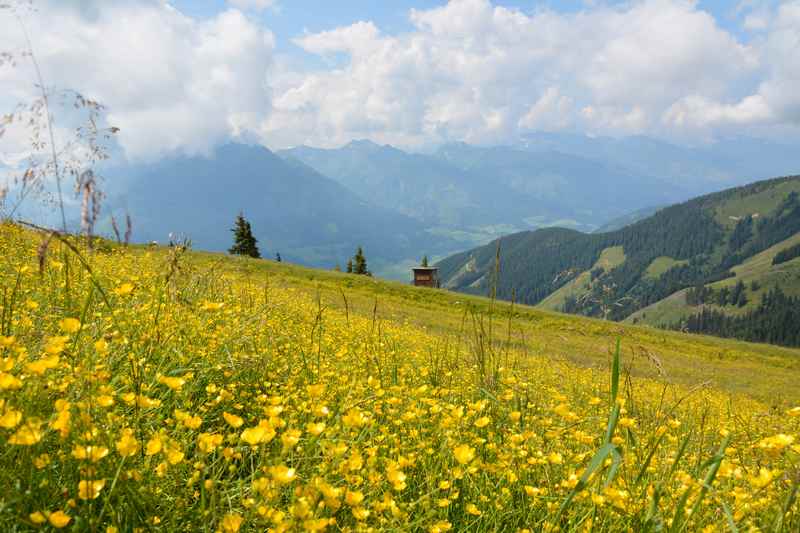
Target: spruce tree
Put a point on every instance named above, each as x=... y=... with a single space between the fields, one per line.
x=425 y=261
x=349 y=266
x=360 y=263
x=278 y=257
x=243 y=241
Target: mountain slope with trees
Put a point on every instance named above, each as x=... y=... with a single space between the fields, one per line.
x=693 y=244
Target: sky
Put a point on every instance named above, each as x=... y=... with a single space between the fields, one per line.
x=187 y=75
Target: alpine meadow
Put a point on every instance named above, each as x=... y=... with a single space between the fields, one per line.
x=416 y=266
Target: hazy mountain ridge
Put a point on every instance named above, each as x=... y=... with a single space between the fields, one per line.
x=700 y=169
x=464 y=189
x=294 y=210
x=417 y=185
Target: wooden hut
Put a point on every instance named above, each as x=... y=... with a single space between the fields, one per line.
x=426 y=277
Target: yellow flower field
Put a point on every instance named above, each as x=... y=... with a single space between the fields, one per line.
x=156 y=389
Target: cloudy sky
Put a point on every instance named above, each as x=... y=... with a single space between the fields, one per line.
x=184 y=75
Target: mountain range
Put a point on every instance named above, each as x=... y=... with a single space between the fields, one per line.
x=315 y=206
x=293 y=210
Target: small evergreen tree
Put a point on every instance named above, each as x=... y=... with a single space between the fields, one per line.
x=425 y=260
x=349 y=266
x=360 y=263
x=243 y=241
x=278 y=257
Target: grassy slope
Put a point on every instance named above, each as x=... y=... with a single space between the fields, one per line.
x=762 y=371
x=762 y=203
x=661 y=265
x=609 y=258
x=203 y=392
x=757 y=268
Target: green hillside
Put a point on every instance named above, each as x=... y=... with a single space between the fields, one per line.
x=719 y=241
x=758 y=269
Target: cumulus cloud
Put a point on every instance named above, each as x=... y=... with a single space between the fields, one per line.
x=552 y=111
x=468 y=70
x=169 y=82
x=471 y=70
x=776 y=100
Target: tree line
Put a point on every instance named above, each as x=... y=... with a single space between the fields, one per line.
x=775 y=321
x=723 y=296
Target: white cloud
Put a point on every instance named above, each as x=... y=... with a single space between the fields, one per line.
x=169 y=82
x=776 y=100
x=468 y=70
x=552 y=111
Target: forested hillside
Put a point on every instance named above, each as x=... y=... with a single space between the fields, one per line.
x=687 y=245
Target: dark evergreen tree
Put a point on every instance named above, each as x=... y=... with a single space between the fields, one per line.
x=243 y=241
x=349 y=266
x=723 y=296
x=278 y=257
x=737 y=293
x=360 y=263
x=424 y=260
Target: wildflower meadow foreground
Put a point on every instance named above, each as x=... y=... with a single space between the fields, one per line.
x=157 y=389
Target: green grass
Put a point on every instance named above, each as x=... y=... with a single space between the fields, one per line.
x=661 y=265
x=759 y=370
x=763 y=203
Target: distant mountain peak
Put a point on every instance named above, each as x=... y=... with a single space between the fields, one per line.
x=364 y=144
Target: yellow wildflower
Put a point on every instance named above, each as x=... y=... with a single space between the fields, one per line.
x=127 y=445
x=154 y=445
x=208 y=442
x=233 y=420
x=231 y=523
x=89 y=452
x=353 y=498
x=27 y=435
x=90 y=489
x=174 y=383
x=482 y=422
x=10 y=419
x=124 y=289
x=9 y=382
x=464 y=454
x=69 y=325
x=59 y=519
x=282 y=474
